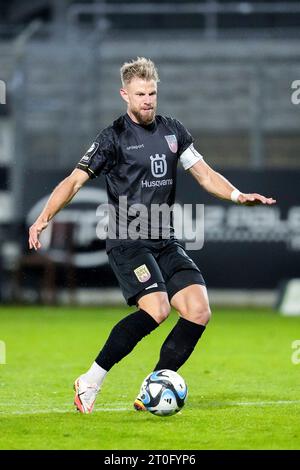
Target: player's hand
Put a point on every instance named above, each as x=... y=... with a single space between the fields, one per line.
x=255 y=199
x=34 y=233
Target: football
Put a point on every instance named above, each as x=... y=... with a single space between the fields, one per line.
x=163 y=392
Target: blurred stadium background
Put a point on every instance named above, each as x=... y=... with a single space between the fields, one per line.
x=228 y=72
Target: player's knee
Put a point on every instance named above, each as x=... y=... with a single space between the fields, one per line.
x=159 y=307
x=205 y=316
x=197 y=313
x=201 y=315
x=162 y=311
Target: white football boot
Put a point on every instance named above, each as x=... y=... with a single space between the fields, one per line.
x=85 y=395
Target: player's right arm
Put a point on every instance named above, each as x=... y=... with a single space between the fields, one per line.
x=100 y=157
x=60 y=197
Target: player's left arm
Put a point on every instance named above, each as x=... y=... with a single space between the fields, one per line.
x=216 y=184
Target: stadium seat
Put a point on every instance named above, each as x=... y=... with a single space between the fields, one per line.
x=56 y=256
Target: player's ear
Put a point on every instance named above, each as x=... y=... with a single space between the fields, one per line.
x=124 y=94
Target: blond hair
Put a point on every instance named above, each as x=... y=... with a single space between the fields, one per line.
x=140 y=68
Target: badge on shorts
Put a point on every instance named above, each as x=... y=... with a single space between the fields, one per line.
x=142 y=273
x=91 y=151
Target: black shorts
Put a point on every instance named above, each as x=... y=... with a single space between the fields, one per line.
x=146 y=266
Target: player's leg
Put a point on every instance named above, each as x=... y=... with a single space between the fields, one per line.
x=192 y=305
x=186 y=289
x=188 y=295
x=142 y=285
x=153 y=309
x=158 y=306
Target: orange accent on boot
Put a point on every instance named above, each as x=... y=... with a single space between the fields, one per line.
x=139 y=405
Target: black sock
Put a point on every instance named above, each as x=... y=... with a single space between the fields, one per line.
x=179 y=344
x=124 y=336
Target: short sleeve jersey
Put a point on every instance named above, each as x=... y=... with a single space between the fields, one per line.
x=140 y=165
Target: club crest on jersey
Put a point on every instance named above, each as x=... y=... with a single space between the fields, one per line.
x=158 y=165
x=142 y=273
x=91 y=151
x=172 y=143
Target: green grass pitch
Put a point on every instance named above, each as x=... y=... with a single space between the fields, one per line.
x=243 y=386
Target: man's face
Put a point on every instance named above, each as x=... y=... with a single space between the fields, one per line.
x=141 y=98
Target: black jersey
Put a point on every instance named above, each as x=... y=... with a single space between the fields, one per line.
x=140 y=166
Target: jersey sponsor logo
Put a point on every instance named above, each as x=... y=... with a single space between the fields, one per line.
x=172 y=142
x=158 y=165
x=135 y=147
x=91 y=151
x=142 y=273
x=152 y=286
x=156 y=183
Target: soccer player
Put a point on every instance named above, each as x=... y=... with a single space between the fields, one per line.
x=138 y=154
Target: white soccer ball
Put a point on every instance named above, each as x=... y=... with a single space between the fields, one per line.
x=163 y=392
